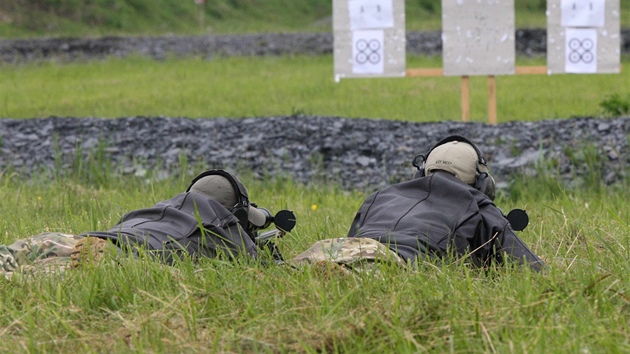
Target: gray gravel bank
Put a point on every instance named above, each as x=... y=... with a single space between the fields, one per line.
x=357 y=153
x=529 y=42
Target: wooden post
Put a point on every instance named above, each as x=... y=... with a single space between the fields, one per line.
x=425 y=72
x=492 y=100
x=530 y=70
x=465 y=99
x=201 y=4
x=492 y=90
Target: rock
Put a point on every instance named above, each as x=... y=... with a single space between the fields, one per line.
x=528 y=42
x=356 y=153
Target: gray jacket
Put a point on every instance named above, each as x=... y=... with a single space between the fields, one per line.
x=437 y=216
x=189 y=223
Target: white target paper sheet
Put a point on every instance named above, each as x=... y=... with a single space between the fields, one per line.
x=581 y=50
x=367 y=14
x=583 y=13
x=367 y=52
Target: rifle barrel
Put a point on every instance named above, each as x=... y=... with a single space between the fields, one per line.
x=268 y=235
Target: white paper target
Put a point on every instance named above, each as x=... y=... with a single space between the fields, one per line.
x=583 y=13
x=369 y=38
x=367 y=52
x=581 y=50
x=366 y=14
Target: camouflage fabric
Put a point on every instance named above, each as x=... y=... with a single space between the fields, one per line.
x=352 y=253
x=47 y=252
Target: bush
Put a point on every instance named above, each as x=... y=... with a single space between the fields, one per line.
x=614 y=105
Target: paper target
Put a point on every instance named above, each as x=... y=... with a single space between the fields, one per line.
x=367 y=52
x=581 y=50
x=366 y=14
x=369 y=38
x=583 y=13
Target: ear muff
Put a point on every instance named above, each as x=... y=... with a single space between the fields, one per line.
x=484 y=182
x=241 y=209
x=418 y=163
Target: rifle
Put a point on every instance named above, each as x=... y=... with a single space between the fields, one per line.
x=284 y=221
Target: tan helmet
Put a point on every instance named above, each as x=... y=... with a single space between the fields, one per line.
x=460 y=157
x=228 y=190
x=456 y=157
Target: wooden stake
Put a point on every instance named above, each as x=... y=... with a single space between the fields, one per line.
x=492 y=94
x=530 y=70
x=492 y=100
x=465 y=99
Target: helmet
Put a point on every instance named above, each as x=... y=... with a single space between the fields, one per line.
x=460 y=157
x=226 y=189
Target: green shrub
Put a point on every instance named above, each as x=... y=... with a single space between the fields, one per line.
x=615 y=105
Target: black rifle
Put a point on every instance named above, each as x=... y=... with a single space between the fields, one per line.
x=284 y=221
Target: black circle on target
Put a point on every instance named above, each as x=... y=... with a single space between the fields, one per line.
x=574 y=57
x=374 y=45
x=362 y=58
x=374 y=58
x=587 y=44
x=575 y=43
x=587 y=57
x=362 y=44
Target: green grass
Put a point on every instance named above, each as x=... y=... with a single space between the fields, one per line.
x=238 y=87
x=58 y=18
x=142 y=17
x=580 y=304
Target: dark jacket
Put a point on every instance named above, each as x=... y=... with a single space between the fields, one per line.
x=437 y=216
x=189 y=223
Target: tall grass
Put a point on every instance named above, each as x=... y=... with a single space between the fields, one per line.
x=141 y=17
x=580 y=304
x=238 y=87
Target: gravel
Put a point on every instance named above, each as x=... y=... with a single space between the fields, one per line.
x=529 y=42
x=357 y=153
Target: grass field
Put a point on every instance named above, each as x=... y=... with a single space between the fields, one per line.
x=238 y=87
x=581 y=304
x=35 y=18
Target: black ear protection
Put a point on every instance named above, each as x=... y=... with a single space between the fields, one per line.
x=241 y=209
x=484 y=182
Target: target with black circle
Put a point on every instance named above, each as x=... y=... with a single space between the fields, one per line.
x=368 y=51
